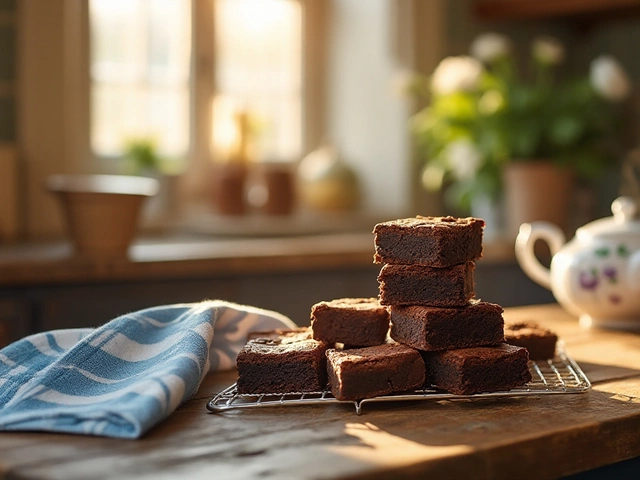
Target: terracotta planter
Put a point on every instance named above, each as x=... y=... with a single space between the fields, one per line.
x=101 y=211
x=229 y=188
x=272 y=188
x=536 y=190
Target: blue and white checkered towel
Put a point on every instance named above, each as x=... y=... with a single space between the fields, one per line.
x=121 y=379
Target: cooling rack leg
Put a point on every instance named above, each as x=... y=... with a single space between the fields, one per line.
x=358 y=406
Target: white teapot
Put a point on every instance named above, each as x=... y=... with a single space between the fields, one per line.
x=595 y=276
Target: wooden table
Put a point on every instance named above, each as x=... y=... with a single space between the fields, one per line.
x=533 y=437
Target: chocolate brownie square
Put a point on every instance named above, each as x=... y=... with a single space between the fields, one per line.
x=357 y=322
x=430 y=241
x=282 y=361
x=420 y=285
x=540 y=341
x=436 y=328
x=476 y=370
x=372 y=371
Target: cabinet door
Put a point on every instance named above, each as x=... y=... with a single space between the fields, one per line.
x=76 y=306
x=14 y=320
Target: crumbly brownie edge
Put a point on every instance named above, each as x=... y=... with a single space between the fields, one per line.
x=292 y=370
x=421 y=285
x=458 y=376
x=355 y=380
x=436 y=328
x=357 y=327
x=428 y=241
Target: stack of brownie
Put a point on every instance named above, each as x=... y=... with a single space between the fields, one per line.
x=427 y=282
x=424 y=329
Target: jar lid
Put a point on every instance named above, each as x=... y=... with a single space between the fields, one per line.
x=623 y=223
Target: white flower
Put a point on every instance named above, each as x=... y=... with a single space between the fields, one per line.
x=489 y=47
x=432 y=177
x=548 y=50
x=464 y=158
x=609 y=79
x=455 y=74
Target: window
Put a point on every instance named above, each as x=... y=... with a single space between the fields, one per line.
x=140 y=74
x=258 y=70
x=142 y=83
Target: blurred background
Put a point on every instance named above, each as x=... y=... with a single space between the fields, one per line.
x=280 y=131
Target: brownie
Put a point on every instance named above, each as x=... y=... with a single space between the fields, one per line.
x=282 y=361
x=420 y=285
x=373 y=371
x=357 y=322
x=436 y=328
x=540 y=341
x=430 y=241
x=476 y=370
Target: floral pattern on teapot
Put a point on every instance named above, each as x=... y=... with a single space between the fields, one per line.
x=601 y=279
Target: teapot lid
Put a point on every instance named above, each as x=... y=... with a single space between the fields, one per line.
x=622 y=224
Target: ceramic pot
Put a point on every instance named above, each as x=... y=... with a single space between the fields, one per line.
x=326 y=182
x=229 y=188
x=272 y=189
x=536 y=190
x=101 y=211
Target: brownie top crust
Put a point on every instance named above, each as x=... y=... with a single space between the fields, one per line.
x=420 y=224
x=466 y=356
x=386 y=352
x=281 y=341
x=472 y=310
x=352 y=304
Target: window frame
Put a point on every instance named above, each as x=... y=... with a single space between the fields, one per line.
x=203 y=88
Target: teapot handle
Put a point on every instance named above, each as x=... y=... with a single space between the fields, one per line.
x=529 y=233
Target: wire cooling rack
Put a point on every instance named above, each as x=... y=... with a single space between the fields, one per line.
x=560 y=375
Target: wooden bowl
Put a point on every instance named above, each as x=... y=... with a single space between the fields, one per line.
x=101 y=211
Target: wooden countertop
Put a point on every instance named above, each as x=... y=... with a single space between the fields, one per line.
x=197 y=256
x=534 y=437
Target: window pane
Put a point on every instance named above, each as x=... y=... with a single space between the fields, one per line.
x=258 y=66
x=116 y=39
x=122 y=112
x=140 y=67
x=169 y=47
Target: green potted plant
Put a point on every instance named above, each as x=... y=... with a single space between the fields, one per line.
x=485 y=126
x=141 y=157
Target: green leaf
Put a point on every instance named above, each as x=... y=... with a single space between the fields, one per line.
x=623 y=251
x=565 y=130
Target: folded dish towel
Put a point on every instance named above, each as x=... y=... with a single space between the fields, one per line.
x=122 y=378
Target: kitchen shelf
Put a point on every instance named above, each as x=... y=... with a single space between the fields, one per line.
x=578 y=10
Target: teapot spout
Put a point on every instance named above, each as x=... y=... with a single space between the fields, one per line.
x=529 y=233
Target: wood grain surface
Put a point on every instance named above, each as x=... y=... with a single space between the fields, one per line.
x=530 y=437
